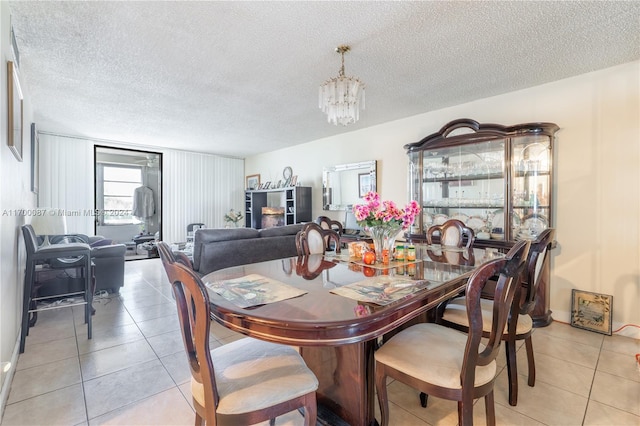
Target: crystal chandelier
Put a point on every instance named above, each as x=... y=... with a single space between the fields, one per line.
x=340 y=97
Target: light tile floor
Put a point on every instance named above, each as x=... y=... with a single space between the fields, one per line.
x=134 y=370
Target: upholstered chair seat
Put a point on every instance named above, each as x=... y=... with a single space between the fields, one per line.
x=441 y=354
x=252 y=375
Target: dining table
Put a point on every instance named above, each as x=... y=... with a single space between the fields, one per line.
x=337 y=310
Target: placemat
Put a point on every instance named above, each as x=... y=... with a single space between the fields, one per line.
x=381 y=290
x=254 y=290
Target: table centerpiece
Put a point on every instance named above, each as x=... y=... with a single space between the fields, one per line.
x=384 y=220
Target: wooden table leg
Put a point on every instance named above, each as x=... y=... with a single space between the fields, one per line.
x=346 y=376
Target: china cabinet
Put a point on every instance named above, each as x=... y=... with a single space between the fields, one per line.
x=293 y=204
x=496 y=179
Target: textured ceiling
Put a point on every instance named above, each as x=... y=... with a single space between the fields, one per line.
x=239 y=78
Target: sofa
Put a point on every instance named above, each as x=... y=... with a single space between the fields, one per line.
x=215 y=249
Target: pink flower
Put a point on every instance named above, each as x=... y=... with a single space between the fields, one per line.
x=376 y=212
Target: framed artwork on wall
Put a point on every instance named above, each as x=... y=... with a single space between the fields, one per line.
x=253 y=181
x=14 y=96
x=591 y=311
x=364 y=184
x=35 y=158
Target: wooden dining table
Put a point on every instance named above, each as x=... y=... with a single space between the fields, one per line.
x=337 y=335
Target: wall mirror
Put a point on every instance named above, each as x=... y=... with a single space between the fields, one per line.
x=345 y=184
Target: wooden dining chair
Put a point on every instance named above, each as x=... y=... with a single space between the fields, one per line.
x=167 y=255
x=451 y=233
x=243 y=382
x=453 y=313
x=446 y=363
x=328 y=223
x=313 y=239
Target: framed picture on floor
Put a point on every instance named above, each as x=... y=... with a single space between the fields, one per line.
x=591 y=311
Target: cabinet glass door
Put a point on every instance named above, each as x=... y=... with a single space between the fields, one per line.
x=466 y=183
x=531 y=185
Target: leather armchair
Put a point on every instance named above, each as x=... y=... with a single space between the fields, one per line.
x=109 y=267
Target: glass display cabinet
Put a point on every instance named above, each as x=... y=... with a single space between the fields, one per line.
x=496 y=179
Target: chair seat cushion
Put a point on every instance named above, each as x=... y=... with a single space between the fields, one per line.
x=456 y=312
x=252 y=374
x=431 y=353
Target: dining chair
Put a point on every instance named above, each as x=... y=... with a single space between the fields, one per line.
x=453 y=232
x=53 y=257
x=453 y=313
x=165 y=253
x=446 y=363
x=328 y=223
x=243 y=382
x=312 y=239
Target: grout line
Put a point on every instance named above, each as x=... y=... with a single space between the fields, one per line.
x=593 y=380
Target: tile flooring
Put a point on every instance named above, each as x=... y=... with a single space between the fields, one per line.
x=134 y=370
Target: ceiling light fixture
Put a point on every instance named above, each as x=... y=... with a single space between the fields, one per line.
x=341 y=97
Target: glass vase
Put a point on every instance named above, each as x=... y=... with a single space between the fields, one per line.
x=384 y=238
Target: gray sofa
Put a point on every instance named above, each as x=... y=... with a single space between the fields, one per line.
x=215 y=249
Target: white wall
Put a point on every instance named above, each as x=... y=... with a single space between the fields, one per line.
x=15 y=198
x=597 y=175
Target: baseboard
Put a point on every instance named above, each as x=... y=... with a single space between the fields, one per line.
x=6 y=385
x=633 y=332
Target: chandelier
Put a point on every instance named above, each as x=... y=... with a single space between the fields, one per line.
x=340 y=97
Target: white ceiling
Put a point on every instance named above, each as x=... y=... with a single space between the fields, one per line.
x=239 y=78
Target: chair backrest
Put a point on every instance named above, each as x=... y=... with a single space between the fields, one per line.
x=192 y=301
x=312 y=239
x=509 y=270
x=30 y=239
x=167 y=255
x=328 y=223
x=194 y=226
x=538 y=254
x=452 y=233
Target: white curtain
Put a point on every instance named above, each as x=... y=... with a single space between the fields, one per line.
x=66 y=180
x=199 y=188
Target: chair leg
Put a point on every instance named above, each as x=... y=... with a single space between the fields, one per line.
x=199 y=421
x=532 y=364
x=26 y=302
x=381 y=389
x=490 y=409
x=310 y=410
x=88 y=295
x=423 y=399
x=512 y=371
x=272 y=422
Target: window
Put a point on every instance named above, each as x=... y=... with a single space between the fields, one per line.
x=119 y=182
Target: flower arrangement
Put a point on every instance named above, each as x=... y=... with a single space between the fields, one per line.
x=384 y=213
x=233 y=216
